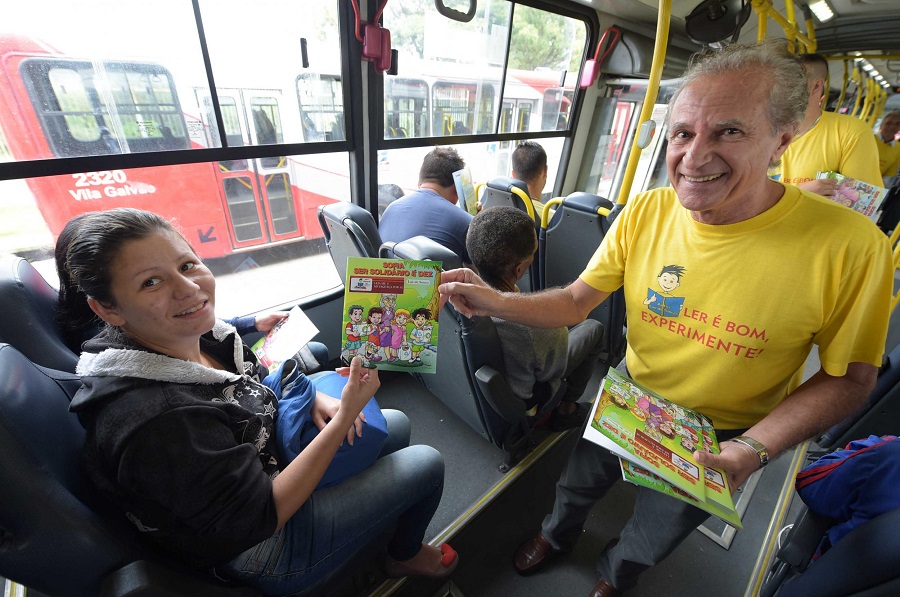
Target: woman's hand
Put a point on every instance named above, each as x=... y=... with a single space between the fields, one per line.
x=362 y=383
x=265 y=323
x=325 y=408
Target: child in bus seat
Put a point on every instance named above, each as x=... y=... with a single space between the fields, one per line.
x=502 y=244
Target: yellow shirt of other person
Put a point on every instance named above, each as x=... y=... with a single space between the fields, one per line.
x=888 y=157
x=722 y=318
x=836 y=143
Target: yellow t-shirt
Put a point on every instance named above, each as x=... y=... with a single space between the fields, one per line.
x=888 y=157
x=731 y=339
x=837 y=143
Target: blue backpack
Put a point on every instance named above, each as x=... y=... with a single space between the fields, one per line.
x=295 y=429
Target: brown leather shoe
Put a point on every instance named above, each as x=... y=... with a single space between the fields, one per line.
x=604 y=589
x=533 y=555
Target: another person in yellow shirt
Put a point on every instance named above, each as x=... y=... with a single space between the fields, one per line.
x=827 y=142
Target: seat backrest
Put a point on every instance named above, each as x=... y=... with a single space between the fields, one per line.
x=350 y=231
x=51 y=539
x=566 y=247
x=29 y=321
x=56 y=535
x=470 y=375
x=513 y=192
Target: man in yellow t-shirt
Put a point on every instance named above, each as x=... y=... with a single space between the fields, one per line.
x=529 y=164
x=747 y=274
x=827 y=142
x=888 y=147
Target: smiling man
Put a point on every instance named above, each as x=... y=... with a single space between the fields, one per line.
x=762 y=277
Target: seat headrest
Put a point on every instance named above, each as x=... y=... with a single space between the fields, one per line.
x=422 y=248
x=29 y=322
x=338 y=213
x=586 y=202
x=506 y=183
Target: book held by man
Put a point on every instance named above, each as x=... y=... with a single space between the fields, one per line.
x=857 y=195
x=656 y=439
x=391 y=313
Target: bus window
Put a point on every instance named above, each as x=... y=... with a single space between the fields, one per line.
x=405 y=108
x=90 y=108
x=321 y=107
x=545 y=52
x=461 y=108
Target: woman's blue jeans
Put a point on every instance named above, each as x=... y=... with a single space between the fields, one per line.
x=402 y=489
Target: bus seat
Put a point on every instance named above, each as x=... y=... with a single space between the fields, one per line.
x=56 y=537
x=350 y=231
x=29 y=321
x=470 y=378
x=879 y=416
x=564 y=249
x=514 y=193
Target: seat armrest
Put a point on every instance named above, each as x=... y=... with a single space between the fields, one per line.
x=498 y=394
x=803 y=539
x=143 y=578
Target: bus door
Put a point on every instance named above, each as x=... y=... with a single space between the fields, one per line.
x=243 y=184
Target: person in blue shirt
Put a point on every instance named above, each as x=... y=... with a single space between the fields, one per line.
x=432 y=210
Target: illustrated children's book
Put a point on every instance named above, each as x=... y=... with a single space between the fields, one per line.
x=285 y=339
x=656 y=440
x=465 y=190
x=391 y=313
x=856 y=194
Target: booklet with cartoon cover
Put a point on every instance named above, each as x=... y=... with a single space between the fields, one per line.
x=285 y=339
x=391 y=313
x=857 y=195
x=465 y=190
x=659 y=437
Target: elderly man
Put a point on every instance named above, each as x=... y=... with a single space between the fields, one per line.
x=762 y=276
x=888 y=147
x=827 y=142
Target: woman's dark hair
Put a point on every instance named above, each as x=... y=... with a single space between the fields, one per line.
x=499 y=239
x=85 y=251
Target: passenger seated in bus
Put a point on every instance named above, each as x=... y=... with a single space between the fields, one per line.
x=735 y=351
x=888 y=146
x=432 y=210
x=502 y=243
x=529 y=164
x=827 y=141
x=179 y=428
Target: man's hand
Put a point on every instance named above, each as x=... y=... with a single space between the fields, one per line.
x=267 y=321
x=820 y=186
x=736 y=459
x=468 y=293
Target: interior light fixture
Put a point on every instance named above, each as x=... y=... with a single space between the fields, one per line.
x=822 y=11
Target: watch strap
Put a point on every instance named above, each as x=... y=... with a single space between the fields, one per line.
x=754 y=445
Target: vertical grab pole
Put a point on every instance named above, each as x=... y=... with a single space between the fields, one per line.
x=659 y=58
x=840 y=101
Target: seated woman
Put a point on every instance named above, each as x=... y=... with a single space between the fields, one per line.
x=180 y=431
x=502 y=242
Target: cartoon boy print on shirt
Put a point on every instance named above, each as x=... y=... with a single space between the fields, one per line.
x=662 y=303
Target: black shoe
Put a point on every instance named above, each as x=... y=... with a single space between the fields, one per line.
x=561 y=422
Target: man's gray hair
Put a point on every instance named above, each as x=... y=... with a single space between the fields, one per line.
x=769 y=61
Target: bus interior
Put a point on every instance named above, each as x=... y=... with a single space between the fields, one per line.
x=247 y=124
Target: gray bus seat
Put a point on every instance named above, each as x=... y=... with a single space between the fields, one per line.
x=350 y=231
x=57 y=537
x=29 y=321
x=470 y=377
x=564 y=248
x=879 y=416
x=513 y=192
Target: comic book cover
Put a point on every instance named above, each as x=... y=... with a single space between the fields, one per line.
x=642 y=427
x=391 y=313
x=285 y=339
x=639 y=475
x=856 y=194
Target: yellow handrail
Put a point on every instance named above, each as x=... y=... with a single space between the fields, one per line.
x=859 y=93
x=545 y=217
x=529 y=206
x=659 y=58
x=840 y=101
x=788 y=24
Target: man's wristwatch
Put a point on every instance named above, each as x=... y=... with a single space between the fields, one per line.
x=756 y=447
